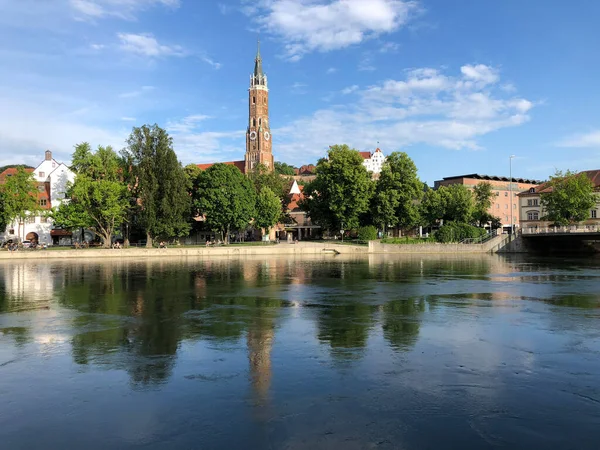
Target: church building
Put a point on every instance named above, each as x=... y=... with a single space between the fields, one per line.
x=258 y=131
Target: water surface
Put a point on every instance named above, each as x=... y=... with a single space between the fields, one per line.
x=420 y=352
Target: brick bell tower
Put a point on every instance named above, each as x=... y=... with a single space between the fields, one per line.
x=258 y=135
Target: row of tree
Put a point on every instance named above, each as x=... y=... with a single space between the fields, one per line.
x=146 y=188
x=344 y=195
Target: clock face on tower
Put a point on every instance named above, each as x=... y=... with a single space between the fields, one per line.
x=267 y=135
x=253 y=135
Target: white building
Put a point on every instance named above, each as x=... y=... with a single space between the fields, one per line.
x=373 y=162
x=52 y=178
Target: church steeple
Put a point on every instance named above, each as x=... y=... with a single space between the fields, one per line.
x=258 y=135
x=258 y=78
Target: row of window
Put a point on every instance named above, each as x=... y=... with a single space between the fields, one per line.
x=31 y=219
x=532 y=202
x=534 y=215
x=254 y=100
x=506 y=206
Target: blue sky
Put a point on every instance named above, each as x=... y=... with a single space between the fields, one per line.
x=458 y=85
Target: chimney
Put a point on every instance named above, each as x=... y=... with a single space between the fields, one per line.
x=48 y=155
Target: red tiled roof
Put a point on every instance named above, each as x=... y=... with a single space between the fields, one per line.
x=10 y=172
x=239 y=164
x=593 y=175
x=293 y=204
x=365 y=155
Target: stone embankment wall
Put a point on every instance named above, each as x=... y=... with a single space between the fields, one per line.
x=492 y=246
x=301 y=248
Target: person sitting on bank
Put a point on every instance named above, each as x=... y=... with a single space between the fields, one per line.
x=162 y=244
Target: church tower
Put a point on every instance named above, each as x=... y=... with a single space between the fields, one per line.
x=258 y=135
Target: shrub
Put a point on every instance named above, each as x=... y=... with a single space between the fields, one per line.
x=456 y=232
x=368 y=233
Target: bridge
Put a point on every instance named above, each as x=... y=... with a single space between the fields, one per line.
x=562 y=239
x=581 y=231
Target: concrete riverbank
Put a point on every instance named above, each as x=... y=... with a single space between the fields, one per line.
x=301 y=248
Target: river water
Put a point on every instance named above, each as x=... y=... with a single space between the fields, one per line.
x=384 y=352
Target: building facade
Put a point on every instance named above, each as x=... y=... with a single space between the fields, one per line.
x=259 y=141
x=505 y=201
x=531 y=211
x=52 y=178
x=373 y=162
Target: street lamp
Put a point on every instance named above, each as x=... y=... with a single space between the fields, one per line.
x=512 y=222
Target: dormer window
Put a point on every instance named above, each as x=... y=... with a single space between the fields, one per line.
x=532 y=190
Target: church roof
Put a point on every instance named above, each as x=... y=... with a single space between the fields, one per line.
x=239 y=164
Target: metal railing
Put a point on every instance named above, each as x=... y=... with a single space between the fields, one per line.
x=561 y=229
x=480 y=240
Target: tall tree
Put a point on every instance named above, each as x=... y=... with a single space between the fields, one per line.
x=268 y=209
x=282 y=168
x=341 y=191
x=160 y=183
x=570 y=199
x=226 y=198
x=483 y=195
x=454 y=203
x=98 y=197
x=20 y=197
x=396 y=193
x=4 y=217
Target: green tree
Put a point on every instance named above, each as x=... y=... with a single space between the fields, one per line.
x=160 y=183
x=341 y=191
x=458 y=202
x=396 y=193
x=483 y=193
x=98 y=197
x=282 y=168
x=4 y=217
x=20 y=197
x=226 y=198
x=367 y=233
x=432 y=207
x=268 y=209
x=570 y=198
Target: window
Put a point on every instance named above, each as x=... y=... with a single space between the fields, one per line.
x=11 y=231
x=535 y=202
x=44 y=219
x=514 y=206
x=41 y=174
x=497 y=205
x=532 y=215
x=30 y=219
x=253 y=122
x=41 y=188
x=506 y=194
x=265 y=100
x=259 y=122
x=529 y=202
x=505 y=206
x=531 y=190
x=253 y=100
x=43 y=202
x=594 y=214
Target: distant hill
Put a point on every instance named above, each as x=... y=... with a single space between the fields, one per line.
x=16 y=166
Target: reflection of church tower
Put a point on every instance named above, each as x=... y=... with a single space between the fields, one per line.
x=258 y=134
x=260 y=341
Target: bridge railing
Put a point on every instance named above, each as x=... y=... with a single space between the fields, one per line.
x=561 y=229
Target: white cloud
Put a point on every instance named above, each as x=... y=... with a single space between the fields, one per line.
x=128 y=119
x=389 y=47
x=331 y=70
x=426 y=107
x=350 y=89
x=480 y=73
x=123 y=9
x=585 y=140
x=211 y=62
x=145 y=44
x=97 y=46
x=187 y=124
x=324 y=25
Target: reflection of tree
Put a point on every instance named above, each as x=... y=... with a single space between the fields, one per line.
x=139 y=328
x=345 y=327
x=19 y=334
x=401 y=322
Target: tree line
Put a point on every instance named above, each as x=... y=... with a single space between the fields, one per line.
x=343 y=196
x=144 y=190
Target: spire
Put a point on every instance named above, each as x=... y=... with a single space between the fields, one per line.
x=258 y=71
